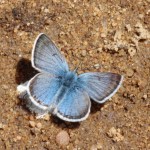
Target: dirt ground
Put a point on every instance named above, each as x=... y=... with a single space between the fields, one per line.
x=106 y=35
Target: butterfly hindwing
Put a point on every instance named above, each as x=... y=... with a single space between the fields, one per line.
x=75 y=106
x=42 y=88
x=100 y=86
x=46 y=57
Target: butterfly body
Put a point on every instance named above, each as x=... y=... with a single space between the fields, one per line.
x=62 y=92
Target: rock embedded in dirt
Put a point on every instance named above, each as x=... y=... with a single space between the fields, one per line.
x=1 y=126
x=142 y=33
x=39 y=125
x=115 y=134
x=132 y=51
x=32 y=124
x=128 y=27
x=96 y=66
x=129 y=72
x=97 y=146
x=46 y=117
x=63 y=138
x=83 y=53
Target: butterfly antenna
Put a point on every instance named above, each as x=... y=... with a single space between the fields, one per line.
x=76 y=69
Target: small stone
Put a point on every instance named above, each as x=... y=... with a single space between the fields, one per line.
x=128 y=27
x=85 y=43
x=28 y=23
x=46 y=10
x=97 y=66
x=145 y=96
x=99 y=49
x=34 y=5
x=143 y=34
x=39 y=125
x=5 y=87
x=103 y=35
x=32 y=124
x=129 y=72
x=18 y=138
x=83 y=53
x=31 y=117
x=141 y=16
x=114 y=24
x=62 y=138
x=93 y=147
x=1 y=126
x=115 y=134
x=99 y=146
x=46 y=117
x=117 y=35
x=132 y=51
x=35 y=131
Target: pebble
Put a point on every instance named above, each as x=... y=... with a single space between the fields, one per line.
x=97 y=66
x=99 y=49
x=96 y=147
x=18 y=137
x=103 y=35
x=83 y=53
x=132 y=51
x=46 y=10
x=128 y=27
x=32 y=124
x=39 y=125
x=115 y=134
x=129 y=72
x=114 y=24
x=145 y=96
x=5 y=87
x=46 y=117
x=1 y=126
x=93 y=147
x=62 y=138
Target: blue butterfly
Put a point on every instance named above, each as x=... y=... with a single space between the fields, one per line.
x=62 y=92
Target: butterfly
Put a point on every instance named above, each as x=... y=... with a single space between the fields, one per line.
x=61 y=92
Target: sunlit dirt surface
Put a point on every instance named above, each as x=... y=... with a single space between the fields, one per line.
x=106 y=35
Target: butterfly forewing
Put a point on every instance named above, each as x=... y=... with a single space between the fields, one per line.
x=46 y=57
x=100 y=86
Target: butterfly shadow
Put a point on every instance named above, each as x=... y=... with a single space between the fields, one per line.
x=95 y=107
x=73 y=125
x=64 y=124
x=24 y=71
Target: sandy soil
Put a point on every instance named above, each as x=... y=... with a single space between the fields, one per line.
x=107 y=35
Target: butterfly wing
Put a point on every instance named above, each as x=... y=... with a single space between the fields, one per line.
x=75 y=106
x=46 y=57
x=42 y=88
x=100 y=86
